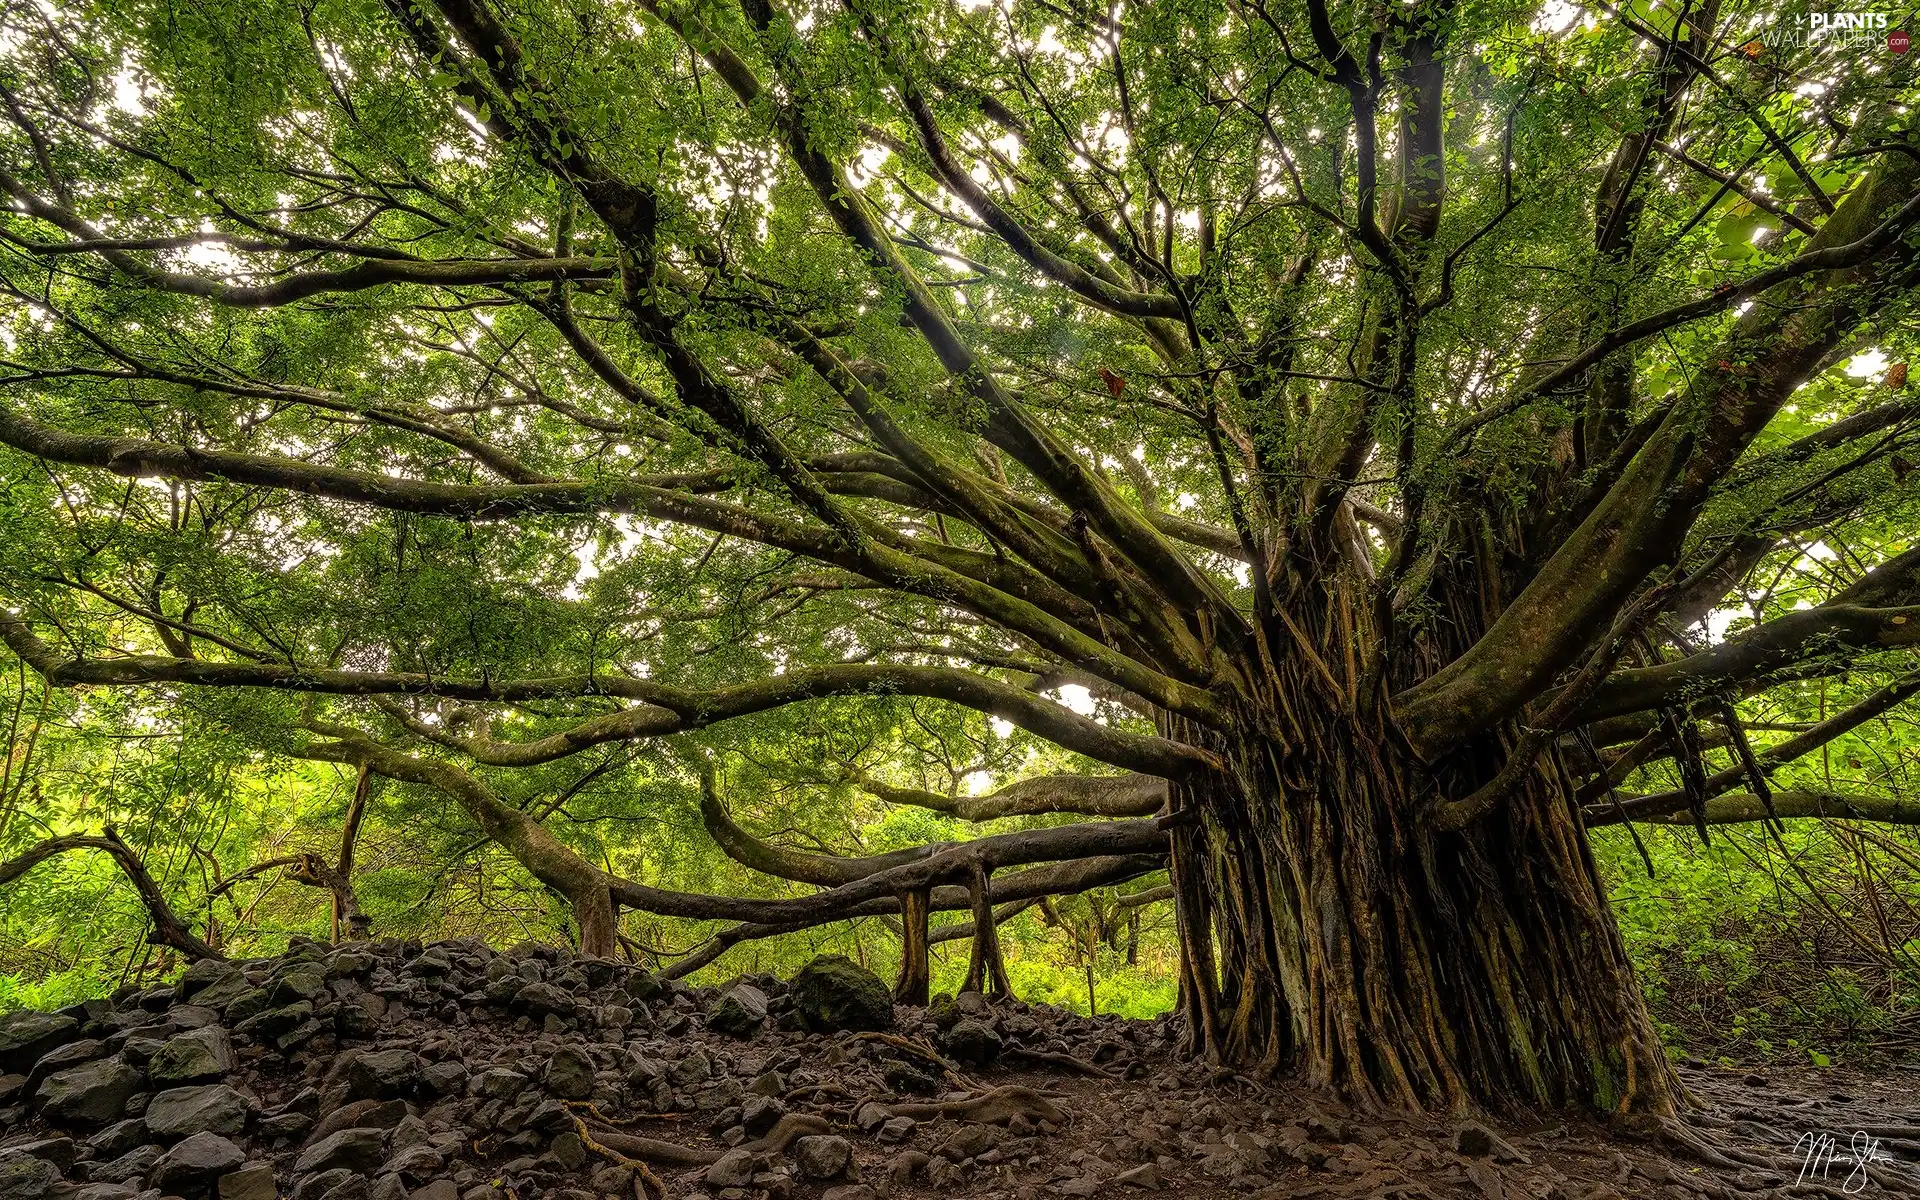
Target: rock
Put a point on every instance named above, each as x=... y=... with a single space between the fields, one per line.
x=540 y=998
x=118 y=1138
x=26 y=1178
x=833 y=993
x=734 y=1169
x=210 y=1108
x=73 y=1054
x=498 y=1083
x=196 y=1162
x=761 y=1113
x=361 y=1114
x=902 y=1167
x=568 y=1150
x=569 y=1073
x=131 y=1166
x=313 y=1187
x=381 y=1074
x=897 y=1129
x=823 y=1156
x=90 y=1095
x=251 y=1182
x=973 y=1042
x=60 y=1151
x=443 y=1078
x=851 y=1191
x=201 y=1054
x=740 y=1011
x=26 y=1036
x=355 y=1150
x=1146 y=1175
x=439 y=1189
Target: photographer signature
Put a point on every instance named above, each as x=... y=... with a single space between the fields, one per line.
x=1820 y=1153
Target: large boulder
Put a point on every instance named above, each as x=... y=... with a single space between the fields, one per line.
x=181 y=1112
x=834 y=993
x=91 y=1095
x=204 y=1053
x=26 y=1036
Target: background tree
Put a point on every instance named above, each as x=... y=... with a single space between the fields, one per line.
x=1374 y=414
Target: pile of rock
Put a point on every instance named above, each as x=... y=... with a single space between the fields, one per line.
x=375 y=1071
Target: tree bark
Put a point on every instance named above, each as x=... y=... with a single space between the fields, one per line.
x=1361 y=947
x=986 y=969
x=916 y=977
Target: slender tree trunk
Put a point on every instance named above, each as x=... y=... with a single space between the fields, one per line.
x=986 y=970
x=915 y=982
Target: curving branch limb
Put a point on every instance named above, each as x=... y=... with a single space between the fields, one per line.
x=168 y=928
x=1737 y=808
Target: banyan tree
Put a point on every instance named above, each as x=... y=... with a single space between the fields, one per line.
x=1404 y=431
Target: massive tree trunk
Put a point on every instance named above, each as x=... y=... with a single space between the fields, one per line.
x=1395 y=962
x=1332 y=923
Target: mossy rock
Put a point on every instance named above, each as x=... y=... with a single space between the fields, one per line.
x=833 y=993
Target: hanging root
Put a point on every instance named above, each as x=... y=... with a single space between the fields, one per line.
x=996 y=1107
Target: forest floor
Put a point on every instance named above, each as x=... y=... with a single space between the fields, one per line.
x=377 y=1071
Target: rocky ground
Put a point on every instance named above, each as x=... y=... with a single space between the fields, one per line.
x=376 y=1071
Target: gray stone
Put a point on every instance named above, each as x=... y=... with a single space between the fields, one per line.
x=253 y=1181
x=196 y=1162
x=761 y=1113
x=94 y=1094
x=26 y=1036
x=209 y=1108
x=897 y=1129
x=851 y=1191
x=276 y=1022
x=823 y=1156
x=204 y=1053
x=568 y=1150
x=315 y=1186
x=388 y=1187
x=417 y=1162
x=354 y=1149
x=498 y=1083
x=106 y=1191
x=301 y=982
x=696 y=1067
x=538 y=998
x=60 y=1151
x=439 y=1189
x=228 y=987
x=973 y=1042
x=834 y=993
x=740 y=1011
x=132 y=1165
x=60 y=1058
x=443 y=1078
x=734 y=1169
x=118 y=1138
x=569 y=1073
x=27 y=1178
x=381 y=1074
